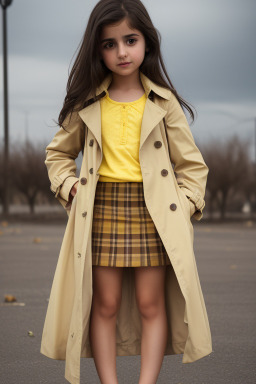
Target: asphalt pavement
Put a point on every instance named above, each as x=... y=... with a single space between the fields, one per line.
x=226 y=261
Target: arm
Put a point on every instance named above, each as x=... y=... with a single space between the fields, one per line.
x=189 y=166
x=60 y=158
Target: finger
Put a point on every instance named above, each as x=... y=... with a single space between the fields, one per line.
x=74 y=189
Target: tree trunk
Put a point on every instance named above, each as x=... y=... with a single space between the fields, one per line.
x=31 y=203
x=223 y=204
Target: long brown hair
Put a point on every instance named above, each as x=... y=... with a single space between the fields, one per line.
x=89 y=70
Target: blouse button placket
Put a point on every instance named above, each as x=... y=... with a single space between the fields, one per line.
x=123 y=136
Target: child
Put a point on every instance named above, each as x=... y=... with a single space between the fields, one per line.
x=126 y=281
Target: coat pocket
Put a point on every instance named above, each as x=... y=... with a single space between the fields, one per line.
x=187 y=205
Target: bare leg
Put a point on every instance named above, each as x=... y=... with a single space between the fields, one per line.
x=107 y=294
x=149 y=283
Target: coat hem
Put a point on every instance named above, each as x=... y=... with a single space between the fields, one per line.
x=134 y=349
x=71 y=379
x=50 y=355
x=121 y=350
x=197 y=354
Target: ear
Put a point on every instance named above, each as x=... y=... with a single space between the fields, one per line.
x=147 y=49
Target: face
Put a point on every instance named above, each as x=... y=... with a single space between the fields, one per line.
x=121 y=44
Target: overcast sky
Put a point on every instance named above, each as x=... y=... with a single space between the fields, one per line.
x=209 y=48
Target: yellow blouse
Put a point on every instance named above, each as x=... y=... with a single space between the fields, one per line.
x=120 y=134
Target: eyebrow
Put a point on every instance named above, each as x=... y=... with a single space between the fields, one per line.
x=126 y=36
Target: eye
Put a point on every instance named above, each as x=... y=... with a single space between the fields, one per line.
x=107 y=45
x=133 y=40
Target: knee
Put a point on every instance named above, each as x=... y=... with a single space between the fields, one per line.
x=148 y=306
x=107 y=306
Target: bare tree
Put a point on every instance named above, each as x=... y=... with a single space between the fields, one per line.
x=212 y=161
x=28 y=171
x=229 y=167
x=249 y=186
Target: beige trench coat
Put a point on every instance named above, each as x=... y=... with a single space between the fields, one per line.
x=66 y=328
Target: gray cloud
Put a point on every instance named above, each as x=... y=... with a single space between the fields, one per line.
x=208 y=47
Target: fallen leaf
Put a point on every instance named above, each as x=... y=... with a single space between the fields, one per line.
x=37 y=240
x=233 y=266
x=31 y=334
x=4 y=223
x=9 y=298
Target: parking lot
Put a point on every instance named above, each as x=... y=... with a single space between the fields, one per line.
x=226 y=260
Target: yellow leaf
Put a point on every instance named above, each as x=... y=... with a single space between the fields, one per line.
x=9 y=298
x=37 y=240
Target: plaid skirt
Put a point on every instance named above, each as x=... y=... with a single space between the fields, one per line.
x=123 y=232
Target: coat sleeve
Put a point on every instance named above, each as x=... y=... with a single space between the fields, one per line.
x=60 y=157
x=189 y=166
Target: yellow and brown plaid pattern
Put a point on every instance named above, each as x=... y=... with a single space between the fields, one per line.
x=123 y=232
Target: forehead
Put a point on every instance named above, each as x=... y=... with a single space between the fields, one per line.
x=119 y=29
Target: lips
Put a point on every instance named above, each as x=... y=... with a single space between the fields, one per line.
x=124 y=63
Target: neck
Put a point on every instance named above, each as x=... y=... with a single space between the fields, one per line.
x=126 y=83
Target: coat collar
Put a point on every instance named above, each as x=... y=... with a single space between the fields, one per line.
x=153 y=113
x=148 y=86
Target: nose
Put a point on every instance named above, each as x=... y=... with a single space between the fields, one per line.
x=122 y=50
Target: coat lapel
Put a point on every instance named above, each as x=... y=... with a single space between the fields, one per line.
x=153 y=113
x=91 y=116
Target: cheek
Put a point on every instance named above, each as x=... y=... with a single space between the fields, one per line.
x=107 y=56
x=140 y=48
x=140 y=53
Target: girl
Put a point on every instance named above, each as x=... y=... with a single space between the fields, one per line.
x=126 y=281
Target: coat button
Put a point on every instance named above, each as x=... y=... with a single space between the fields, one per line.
x=164 y=172
x=78 y=254
x=84 y=214
x=91 y=170
x=173 y=207
x=158 y=144
x=91 y=142
x=83 y=180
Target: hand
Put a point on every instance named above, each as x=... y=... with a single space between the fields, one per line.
x=72 y=193
x=74 y=189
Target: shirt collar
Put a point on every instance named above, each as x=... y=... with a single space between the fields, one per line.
x=148 y=86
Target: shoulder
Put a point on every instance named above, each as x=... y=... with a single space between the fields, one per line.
x=73 y=119
x=173 y=108
x=169 y=102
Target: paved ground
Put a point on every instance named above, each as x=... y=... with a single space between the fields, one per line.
x=226 y=259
